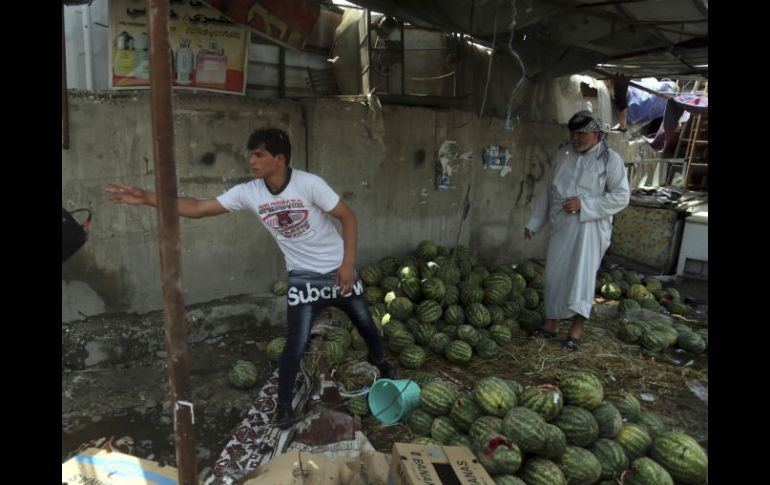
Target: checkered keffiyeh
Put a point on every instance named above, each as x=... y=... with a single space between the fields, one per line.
x=585 y=122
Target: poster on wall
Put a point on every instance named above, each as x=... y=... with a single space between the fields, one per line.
x=498 y=158
x=449 y=158
x=285 y=22
x=208 y=51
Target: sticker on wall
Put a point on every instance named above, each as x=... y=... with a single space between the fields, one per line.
x=449 y=157
x=498 y=158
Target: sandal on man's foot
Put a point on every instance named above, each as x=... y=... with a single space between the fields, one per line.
x=542 y=333
x=572 y=344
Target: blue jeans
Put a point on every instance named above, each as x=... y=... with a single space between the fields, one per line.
x=310 y=293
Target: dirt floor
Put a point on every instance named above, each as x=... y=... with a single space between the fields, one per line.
x=130 y=403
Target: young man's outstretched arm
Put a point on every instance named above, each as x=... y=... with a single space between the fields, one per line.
x=187 y=206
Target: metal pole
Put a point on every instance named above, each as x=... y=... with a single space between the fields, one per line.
x=168 y=236
x=65 y=129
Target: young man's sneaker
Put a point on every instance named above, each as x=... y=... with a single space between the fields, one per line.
x=386 y=369
x=284 y=416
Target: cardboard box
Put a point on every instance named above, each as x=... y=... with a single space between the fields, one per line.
x=436 y=465
x=101 y=467
x=300 y=468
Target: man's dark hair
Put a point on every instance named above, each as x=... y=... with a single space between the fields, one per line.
x=274 y=140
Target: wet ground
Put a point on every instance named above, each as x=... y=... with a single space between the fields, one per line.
x=131 y=401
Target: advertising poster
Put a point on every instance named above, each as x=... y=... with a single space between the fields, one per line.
x=208 y=51
x=286 y=22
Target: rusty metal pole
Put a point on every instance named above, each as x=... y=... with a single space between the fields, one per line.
x=65 y=133
x=168 y=235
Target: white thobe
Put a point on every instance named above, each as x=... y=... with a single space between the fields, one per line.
x=578 y=241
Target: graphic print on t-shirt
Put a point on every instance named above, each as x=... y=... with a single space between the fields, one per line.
x=289 y=218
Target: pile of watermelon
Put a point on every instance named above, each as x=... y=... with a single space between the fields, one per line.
x=638 y=291
x=568 y=433
x=655 y=333
x=434 y=301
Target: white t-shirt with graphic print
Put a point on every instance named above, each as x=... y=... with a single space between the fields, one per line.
x=297 y=218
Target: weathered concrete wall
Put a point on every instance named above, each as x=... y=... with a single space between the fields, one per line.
x=384 y=171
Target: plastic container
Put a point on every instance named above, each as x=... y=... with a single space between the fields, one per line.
x=393 y=400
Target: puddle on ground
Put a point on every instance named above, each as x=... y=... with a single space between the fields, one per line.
x=151 y=434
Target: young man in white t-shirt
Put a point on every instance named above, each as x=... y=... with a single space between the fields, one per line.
x=295 y=207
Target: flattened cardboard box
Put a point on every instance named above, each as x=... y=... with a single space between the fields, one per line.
x=436 y=465
x=300 y=468
x=100 y=467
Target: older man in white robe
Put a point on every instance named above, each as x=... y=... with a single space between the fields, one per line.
x=586 y=187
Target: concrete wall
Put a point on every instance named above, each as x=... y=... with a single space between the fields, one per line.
x=383 y=166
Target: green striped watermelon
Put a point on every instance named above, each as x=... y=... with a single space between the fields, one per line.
x=400 y=340
x=486 y=348
x=422 y=377
x=476 y=314
x=426 y=250
x=339 y=335
x=243 y=374
x=464 y=412
x=392 y=327
x=371 y=274
x=609 y=419
x=429 y=311
x=420 y=421
x=539 y=471
x=507 y=480
x=517 y=388
x=581 y=389
x=461 y=440
x=691 y=342
x=426 y=441
x=496 y=315
x=388 y=265
x=458 y=352
x=627 y=404
x=400 y=308
x=555 y=443
x=451 y=296
x=652 y=423
x=280 y=288
x=494 y=396
x=470 y=293
x=483 y=426
x=546 y=400
x=578 y=424
x=389 y=283
x=454 y=315
x=373 y=294
x=630 y=333
x=635 y=440
x=411 y=288
x=531 y=298
x=433 y=288
x=611 y=456
x=468 y=334
x=437 y=397
x=580 y=466
x=525 y=427
x=275 y=348
x=645 y=471
x=449 y=273
x=681 y=456
x=510 y=309
x=358 y=405
x=439 y=342
x=529 y=321
x=442 y=429
x=412 y=357
x=334 y=351
x=500 y=334
x=505 y=455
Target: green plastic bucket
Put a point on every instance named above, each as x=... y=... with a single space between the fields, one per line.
x=393 y=400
